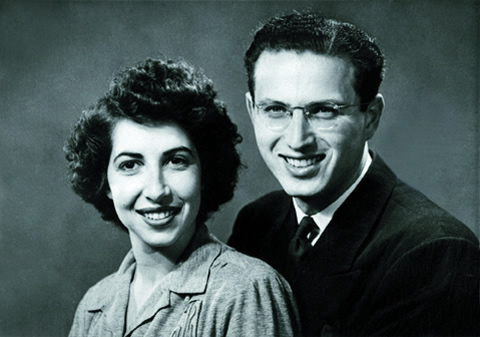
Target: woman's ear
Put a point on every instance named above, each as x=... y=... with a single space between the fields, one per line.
x=374 y=113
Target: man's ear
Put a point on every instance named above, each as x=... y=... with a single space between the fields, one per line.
x=374 y=113
x=249 y=103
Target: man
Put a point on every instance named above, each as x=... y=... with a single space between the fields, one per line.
x=380 y=258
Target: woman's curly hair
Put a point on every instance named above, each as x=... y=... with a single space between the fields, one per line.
x=150 y=93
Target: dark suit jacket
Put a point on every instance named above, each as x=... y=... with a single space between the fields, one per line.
x=390 y=262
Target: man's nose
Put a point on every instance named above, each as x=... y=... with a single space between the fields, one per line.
x=299 y=132
x=155 y=186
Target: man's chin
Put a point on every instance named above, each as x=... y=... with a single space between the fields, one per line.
x=302 y=190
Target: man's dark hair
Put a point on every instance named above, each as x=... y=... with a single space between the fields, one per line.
x=301 y=32
x=150 y=93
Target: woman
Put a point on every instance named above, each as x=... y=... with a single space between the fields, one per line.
x=156 y=155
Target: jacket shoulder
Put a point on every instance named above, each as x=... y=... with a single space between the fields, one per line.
x=424 y=218
x=267 y=204
x=255 y=220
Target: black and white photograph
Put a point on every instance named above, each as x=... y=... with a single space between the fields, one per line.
x=240 y=168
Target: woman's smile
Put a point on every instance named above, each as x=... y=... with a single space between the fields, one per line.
x=159 y=216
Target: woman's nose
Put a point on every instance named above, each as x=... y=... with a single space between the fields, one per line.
x=299 y=132
x=155 y=186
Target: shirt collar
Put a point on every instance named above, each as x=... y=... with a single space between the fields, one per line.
x=191 y=274
x=323 y=217
x=189 y=277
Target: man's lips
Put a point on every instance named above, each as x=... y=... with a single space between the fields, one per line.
x=303 y=162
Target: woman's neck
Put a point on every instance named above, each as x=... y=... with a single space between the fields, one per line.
x=153 y=264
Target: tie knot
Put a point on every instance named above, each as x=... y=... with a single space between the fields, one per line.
x=307 y=225
x=300 y=244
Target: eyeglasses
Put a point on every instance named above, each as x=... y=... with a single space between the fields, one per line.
x=276 y=116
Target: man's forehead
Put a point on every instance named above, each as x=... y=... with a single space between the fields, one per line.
x=290 y=73
x=291 y=56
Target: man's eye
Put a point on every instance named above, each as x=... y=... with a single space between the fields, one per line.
x=276 y=110
x=323 y=111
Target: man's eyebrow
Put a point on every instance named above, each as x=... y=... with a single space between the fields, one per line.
x=271 y=101
x=322 y=101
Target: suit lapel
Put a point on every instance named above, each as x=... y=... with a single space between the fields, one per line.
x=338 y=247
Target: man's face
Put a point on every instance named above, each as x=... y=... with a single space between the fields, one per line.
x=313 y=165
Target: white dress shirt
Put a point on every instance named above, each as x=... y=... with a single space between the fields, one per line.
x=323 y=218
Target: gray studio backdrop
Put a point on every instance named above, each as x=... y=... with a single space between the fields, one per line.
x=56 y=58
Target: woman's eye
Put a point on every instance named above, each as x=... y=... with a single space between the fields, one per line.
x=179 y=162
x=128 y=165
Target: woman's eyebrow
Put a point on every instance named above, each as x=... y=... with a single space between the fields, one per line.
x=128 y=154
x=179 y=149
x=166 y=153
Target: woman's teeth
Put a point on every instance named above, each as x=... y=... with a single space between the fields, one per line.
x=158 y=215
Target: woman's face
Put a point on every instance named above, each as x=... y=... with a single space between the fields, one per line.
x=154 y=182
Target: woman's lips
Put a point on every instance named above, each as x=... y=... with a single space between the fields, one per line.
x=159 y=214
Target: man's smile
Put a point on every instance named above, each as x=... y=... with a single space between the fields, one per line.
x=303 y=162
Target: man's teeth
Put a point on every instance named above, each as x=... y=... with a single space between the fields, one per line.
x=300 y=163
x=158 y=215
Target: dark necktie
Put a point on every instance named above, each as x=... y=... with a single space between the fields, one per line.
x=300 y=243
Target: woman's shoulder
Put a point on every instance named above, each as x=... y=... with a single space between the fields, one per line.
x=238 y=267
x=110 y=285
x=105 y=283
x=95 y=295
x=249 y=295
x=246 y=284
